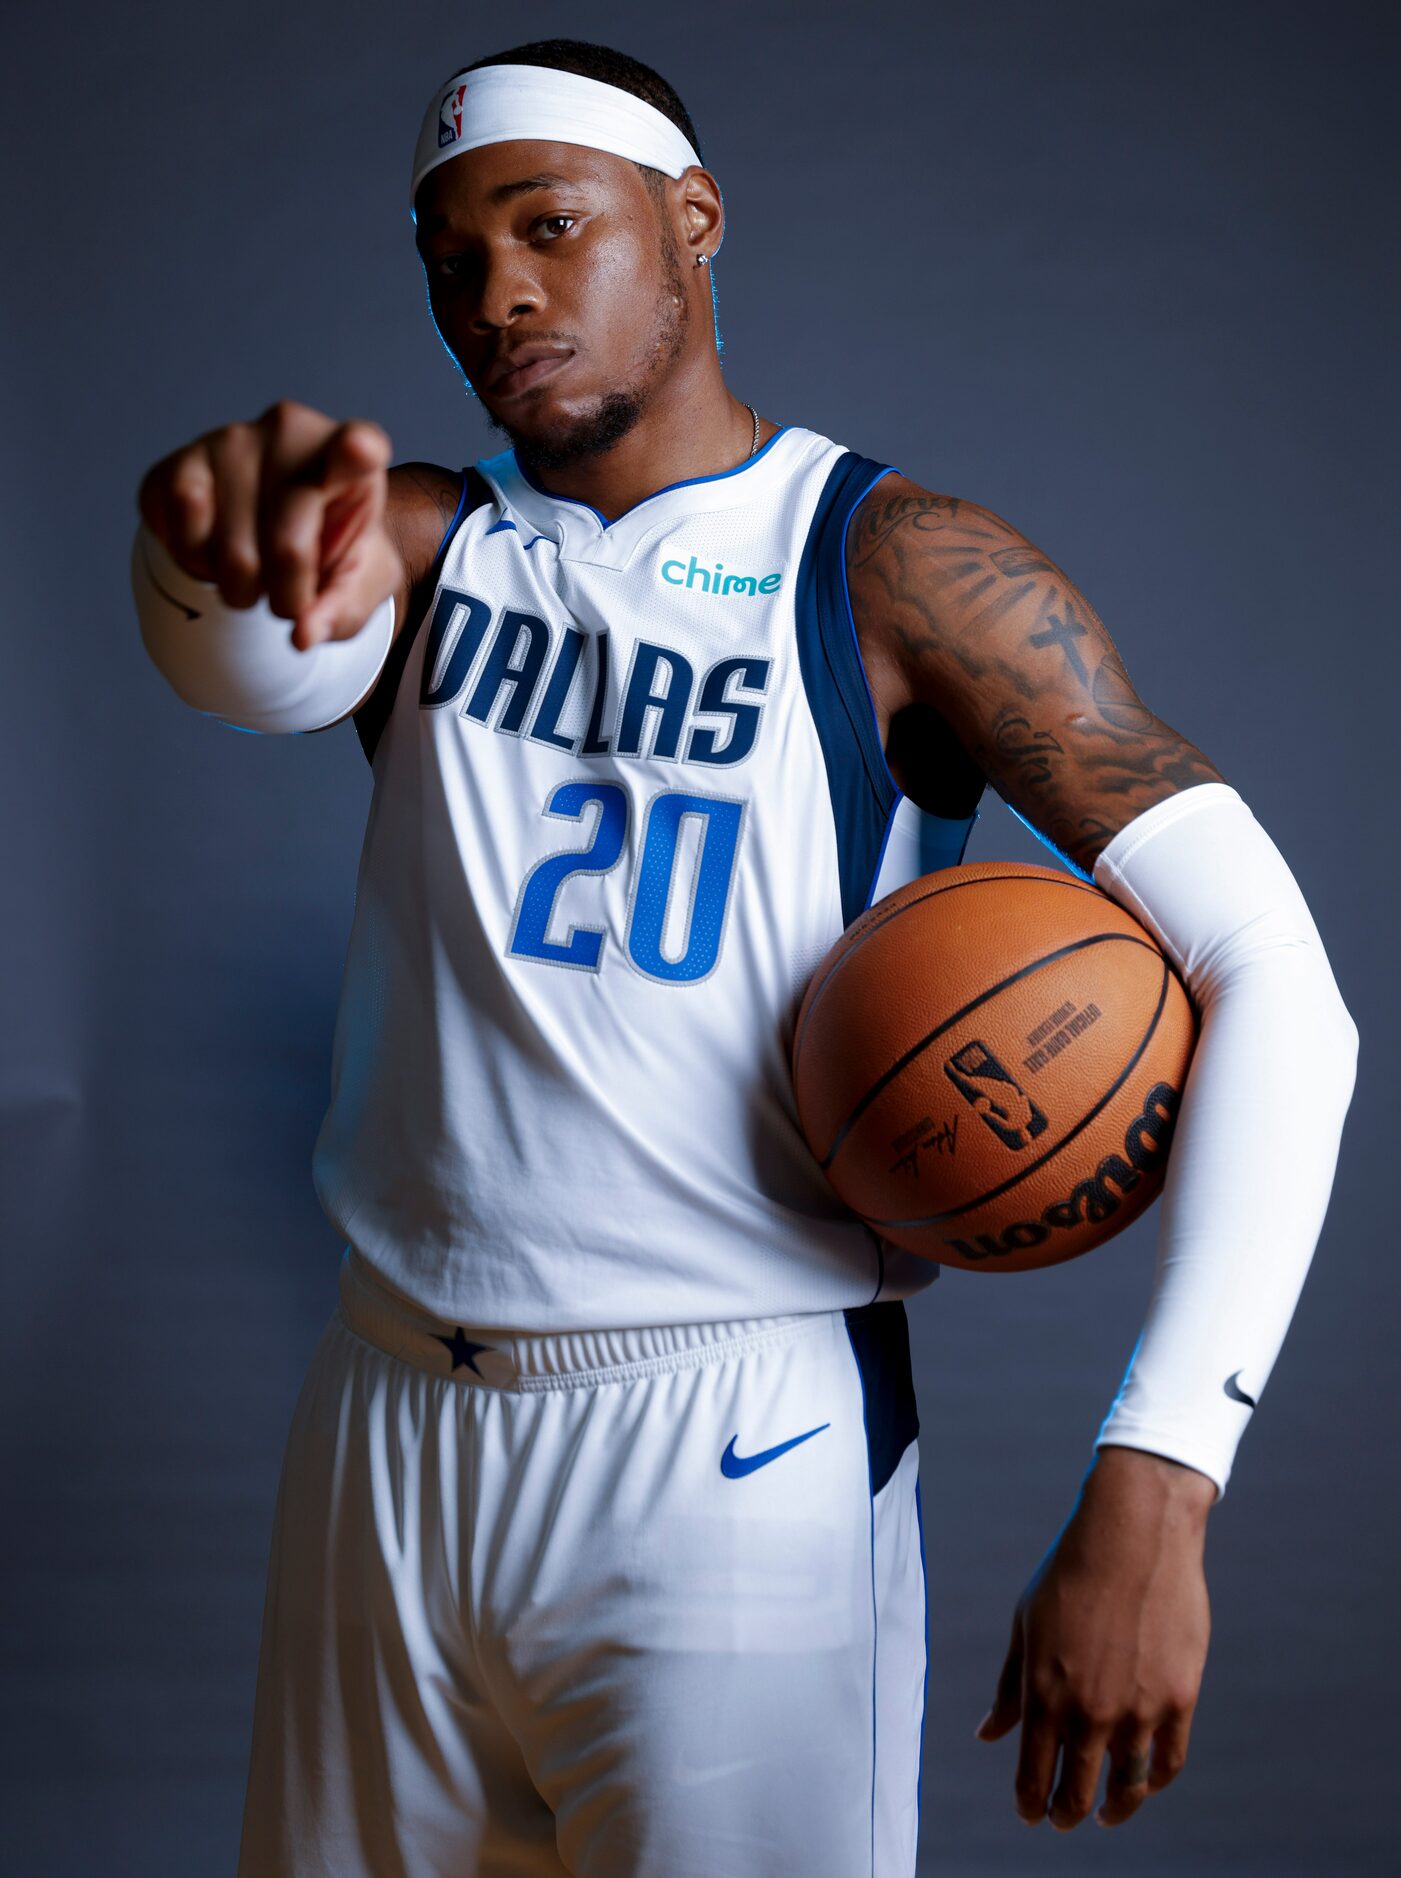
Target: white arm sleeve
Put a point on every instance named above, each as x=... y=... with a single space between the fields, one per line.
x=1256 y=1142
x=238 y=664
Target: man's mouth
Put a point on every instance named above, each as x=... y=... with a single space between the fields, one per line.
x=536 y=367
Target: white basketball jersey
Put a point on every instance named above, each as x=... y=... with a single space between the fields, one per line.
x=628 y=790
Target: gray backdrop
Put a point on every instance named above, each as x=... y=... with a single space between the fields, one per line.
x=1123 y=272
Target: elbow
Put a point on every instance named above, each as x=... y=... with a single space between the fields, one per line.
x=1349 y=1041
x=1342 y=1040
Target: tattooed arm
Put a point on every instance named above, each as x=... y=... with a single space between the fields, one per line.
x=956 y=612
x=962 y=620
x=964 y=624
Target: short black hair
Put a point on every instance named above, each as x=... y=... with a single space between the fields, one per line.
x=610 y=67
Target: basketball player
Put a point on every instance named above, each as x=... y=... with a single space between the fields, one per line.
x=598 y=1545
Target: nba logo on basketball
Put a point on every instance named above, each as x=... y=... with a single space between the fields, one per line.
x=450 y=116
x=983 y=1083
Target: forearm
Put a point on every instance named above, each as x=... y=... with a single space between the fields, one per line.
x=1257 y=1134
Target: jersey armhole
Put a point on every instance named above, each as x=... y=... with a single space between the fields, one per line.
x=372 y=717
x=864 y=795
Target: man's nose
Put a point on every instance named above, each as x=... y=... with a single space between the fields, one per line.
x=506 y=291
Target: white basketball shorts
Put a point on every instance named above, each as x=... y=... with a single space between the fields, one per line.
x=621 y=1604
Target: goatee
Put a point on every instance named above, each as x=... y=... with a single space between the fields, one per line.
x=588 y=435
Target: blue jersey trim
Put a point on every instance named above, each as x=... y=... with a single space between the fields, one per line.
x=875 y=1602
x=884 y=844
x=879 y=1336
x=1046 y=842
x=880 y=1342
x=863 y=792
x=686 y=483
x=924 y=1699
x=878 y=747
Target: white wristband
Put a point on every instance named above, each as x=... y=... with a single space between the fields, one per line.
x=1256 y=1140
x=238 y=664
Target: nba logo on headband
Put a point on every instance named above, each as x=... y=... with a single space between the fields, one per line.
x=450 y=116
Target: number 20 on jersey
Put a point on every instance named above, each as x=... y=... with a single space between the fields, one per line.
x=720 y=820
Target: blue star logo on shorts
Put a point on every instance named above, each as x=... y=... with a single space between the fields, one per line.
x=463 y=1351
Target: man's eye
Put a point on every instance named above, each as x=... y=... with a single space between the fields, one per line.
x=450 y=266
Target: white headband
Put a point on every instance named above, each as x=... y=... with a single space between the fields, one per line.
x=534 y=103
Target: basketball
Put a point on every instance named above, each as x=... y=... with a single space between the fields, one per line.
x=988 y=1066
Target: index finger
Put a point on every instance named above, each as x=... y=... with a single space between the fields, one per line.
x=355 y=451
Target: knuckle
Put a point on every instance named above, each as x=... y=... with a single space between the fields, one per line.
x=189 y=495
x=286 y=552
x=1036 y=1711
x=367 y=430
x=239 y=556
x=280 y=413
x=1129 y=1768
x=1127 y=1783
x=229 y=438
x=238 y=574
x=1044 y=1688
x=189 y=471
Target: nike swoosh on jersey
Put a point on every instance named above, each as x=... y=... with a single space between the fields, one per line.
x=735 y=1466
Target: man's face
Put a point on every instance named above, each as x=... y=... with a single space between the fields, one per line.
x=553 y=247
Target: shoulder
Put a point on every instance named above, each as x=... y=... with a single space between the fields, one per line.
x=922 y=567
x=421 y=502
x=899 y=523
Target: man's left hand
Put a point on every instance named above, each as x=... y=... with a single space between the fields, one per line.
x=1109 y=1643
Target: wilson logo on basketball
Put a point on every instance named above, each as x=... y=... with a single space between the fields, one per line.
x=995 y=1094
x=1146 y=1142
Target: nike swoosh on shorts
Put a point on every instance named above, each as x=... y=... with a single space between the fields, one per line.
x=735 y=1466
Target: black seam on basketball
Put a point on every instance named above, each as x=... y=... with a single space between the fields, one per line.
x=952 y=886
x=935 y=1219
x=888 y=1076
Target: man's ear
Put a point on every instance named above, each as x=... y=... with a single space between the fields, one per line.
x=704 y=213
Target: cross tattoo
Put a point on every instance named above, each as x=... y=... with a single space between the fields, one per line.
x=1064 y=633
